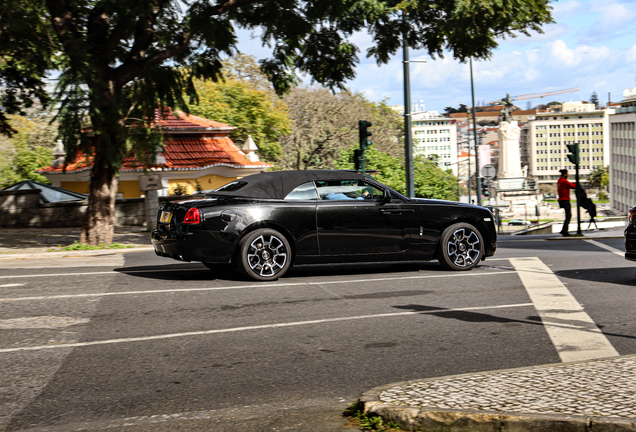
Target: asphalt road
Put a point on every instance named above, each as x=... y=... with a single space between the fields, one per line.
x=134 y=342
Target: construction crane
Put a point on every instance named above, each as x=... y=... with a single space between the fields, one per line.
x=536 y=95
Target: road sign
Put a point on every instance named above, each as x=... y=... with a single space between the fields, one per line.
x=488 y=172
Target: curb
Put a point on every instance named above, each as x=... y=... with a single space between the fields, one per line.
x=71 y=254
x=474 y=420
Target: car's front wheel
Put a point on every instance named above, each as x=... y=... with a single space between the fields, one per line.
x=265 y=255
x=461 y=247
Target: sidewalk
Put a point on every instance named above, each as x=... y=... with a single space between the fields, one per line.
x=39 y=240
x=588 y=396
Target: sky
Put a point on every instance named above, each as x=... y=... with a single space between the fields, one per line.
x=591 y=46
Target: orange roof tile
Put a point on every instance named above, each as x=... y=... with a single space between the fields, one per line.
x=169 y=119
x=195 y=152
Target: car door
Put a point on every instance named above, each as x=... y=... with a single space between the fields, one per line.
x=354 y=219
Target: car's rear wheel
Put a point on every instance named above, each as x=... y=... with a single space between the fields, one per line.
x=461 y=247
x=265 y=255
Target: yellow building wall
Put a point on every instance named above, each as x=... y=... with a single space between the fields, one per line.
x=130 y=188
x=207 y=182
x=79 y=187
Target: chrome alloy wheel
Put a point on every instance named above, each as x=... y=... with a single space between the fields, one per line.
x=266 y=255
x=464 y=247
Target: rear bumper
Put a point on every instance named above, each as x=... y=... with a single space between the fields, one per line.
x=204 y=246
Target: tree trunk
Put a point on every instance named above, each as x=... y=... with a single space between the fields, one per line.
x=99 y=220
x=109 y=147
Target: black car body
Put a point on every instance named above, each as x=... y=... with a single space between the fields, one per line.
x=266 y=222
x=630 y=236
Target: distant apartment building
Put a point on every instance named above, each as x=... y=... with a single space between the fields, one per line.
x=435 y=135
x=545 y=138
x=623 y=153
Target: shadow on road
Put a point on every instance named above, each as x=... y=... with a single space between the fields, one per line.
x=197 y=271
x=616 y=275
x=480 y=317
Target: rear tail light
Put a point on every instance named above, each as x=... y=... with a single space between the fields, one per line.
x=193 y=216
x=632 y=216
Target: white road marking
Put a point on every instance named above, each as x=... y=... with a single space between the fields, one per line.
x=250 y=328
x=12 y=285
x=618 y=252
x=111 y=272
x=111 y=260
x=574 y=334
x=46 y=322
x=258 y=285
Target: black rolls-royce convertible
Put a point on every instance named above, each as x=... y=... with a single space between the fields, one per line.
x=265 y=223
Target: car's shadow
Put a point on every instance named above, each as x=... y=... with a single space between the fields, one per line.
x=197 y=271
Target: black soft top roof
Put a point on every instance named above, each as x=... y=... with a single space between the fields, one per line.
x=278 y=184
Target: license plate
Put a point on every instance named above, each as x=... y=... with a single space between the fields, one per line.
x=166 y=217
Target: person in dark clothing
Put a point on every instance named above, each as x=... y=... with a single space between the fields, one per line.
x=563 y=190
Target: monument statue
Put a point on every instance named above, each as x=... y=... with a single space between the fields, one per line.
x=506 y=112
x=510 y=161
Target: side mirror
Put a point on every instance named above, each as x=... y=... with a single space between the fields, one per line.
x=386 y=197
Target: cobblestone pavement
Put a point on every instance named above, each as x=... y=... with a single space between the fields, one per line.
x=589 y=396
x=593 y=388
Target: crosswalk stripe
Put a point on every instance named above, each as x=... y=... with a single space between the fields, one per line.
x=573 y=332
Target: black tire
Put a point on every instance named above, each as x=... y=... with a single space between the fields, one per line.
x=461 y=247
x=264 y=255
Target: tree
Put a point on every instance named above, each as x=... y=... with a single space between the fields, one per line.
x=599 y=177
x=324 y=123
x=25 y=55
x=245 y=99
x=430 y=180
x=119 y=60
x=462 y=109
x=594 y=99
x=30 y=147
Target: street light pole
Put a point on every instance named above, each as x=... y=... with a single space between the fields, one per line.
x=408 y=142
x=477 y=178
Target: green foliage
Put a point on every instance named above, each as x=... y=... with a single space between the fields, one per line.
x=602 y=197
x=82 y=246
x=26 y=44
x=28 y=149
x=429 y=179
x=367 y=422
x=179 y=189
x=247 y=103
x=599 y=177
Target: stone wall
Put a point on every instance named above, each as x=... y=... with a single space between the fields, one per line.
x=22 y=208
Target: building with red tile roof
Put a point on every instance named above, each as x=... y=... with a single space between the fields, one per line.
x=195 y=149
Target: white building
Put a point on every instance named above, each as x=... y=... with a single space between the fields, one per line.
x=435 y=135
x=546 y=138
x=623 y=154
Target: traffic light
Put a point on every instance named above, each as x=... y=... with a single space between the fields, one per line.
x=364 y=134
x=358 y=154
x=574 y=153
x=485 y=187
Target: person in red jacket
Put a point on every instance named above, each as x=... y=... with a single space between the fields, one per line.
x=563 y=189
